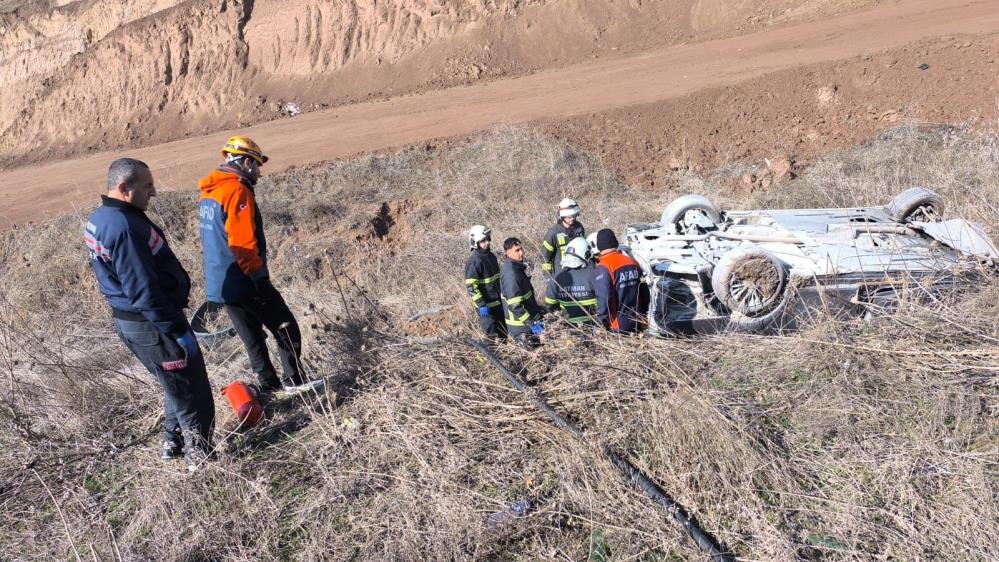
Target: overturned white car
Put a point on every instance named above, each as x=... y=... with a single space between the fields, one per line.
x=761 y=271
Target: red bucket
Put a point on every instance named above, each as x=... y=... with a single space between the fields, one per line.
x=244 y=404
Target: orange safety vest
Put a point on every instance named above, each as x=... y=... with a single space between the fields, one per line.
x=625 y=275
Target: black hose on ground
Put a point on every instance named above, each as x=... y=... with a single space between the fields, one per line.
x=704 y=541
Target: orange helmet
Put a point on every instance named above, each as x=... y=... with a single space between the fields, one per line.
x=244 y=146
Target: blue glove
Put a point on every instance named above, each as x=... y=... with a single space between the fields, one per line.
x=189 y=343
x=483 y=311
x=537 y=328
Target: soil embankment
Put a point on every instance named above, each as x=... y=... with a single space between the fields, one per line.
x=797 y=114
x=595 y=87
x=104 y=74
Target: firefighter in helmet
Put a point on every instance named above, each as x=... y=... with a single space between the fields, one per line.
x=567 y=228
x=482 y=280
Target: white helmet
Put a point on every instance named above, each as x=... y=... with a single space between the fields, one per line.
x=591 y=240
x=577 y=253
x=477 y=234
x=568 y=208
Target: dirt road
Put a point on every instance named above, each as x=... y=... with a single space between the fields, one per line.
x=31 y=193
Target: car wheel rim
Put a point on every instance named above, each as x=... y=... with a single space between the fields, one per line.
x=924 y=213
x=755 y=287
x=690 y=219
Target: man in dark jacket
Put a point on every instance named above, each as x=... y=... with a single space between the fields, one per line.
x=618 y=278
x=567 y=228
x=482 y=279
x=147 y=289
x=236 y=274
x=523 y=315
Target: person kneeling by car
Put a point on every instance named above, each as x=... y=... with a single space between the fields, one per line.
x=573 y=290
x=618 y=279
x=523 y=315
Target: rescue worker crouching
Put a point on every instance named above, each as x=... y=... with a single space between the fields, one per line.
x=147 y=289
x=521 y=310
x=236 y=274
x=573 y=290
x=567 y=228
x=482 y=279
x=618 y=279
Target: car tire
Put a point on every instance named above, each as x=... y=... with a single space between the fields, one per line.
x=916 y=204
x=753 y=285
x=675 y=212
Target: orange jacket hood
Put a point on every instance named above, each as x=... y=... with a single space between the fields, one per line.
x=219 y=178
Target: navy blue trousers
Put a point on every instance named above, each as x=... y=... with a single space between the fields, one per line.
x=187 y=394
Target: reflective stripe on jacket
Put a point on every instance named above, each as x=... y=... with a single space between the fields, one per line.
x=136 y=269
x=519 y=306
x=617 y=282
x=574 y=291
x=482 y=278
x=232 y=236
x=553 y=247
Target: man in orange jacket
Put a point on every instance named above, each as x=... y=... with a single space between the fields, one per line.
x=616 y=281
x=236 y=275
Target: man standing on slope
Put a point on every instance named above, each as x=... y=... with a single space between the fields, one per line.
x=147 y=289
x=482 y=279
x=617 y=284
x=236 y=275
x=523 y=315
x=558 y=236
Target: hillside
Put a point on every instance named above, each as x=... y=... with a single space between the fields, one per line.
x=784 y=96
x=849 y=440
x=100 y=74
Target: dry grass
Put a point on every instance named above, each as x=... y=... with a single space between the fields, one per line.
x=961 y=166
x=850 y=440
x=11 y=5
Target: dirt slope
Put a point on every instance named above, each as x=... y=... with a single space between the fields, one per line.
x=594 y=87
x=795 y=114
x=100 y=74
x=37 y=43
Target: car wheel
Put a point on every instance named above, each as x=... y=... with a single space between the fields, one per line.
x=688 y=211
x=753 y=284
x=916 y=204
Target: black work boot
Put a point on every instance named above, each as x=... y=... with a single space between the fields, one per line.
x=196 y=449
